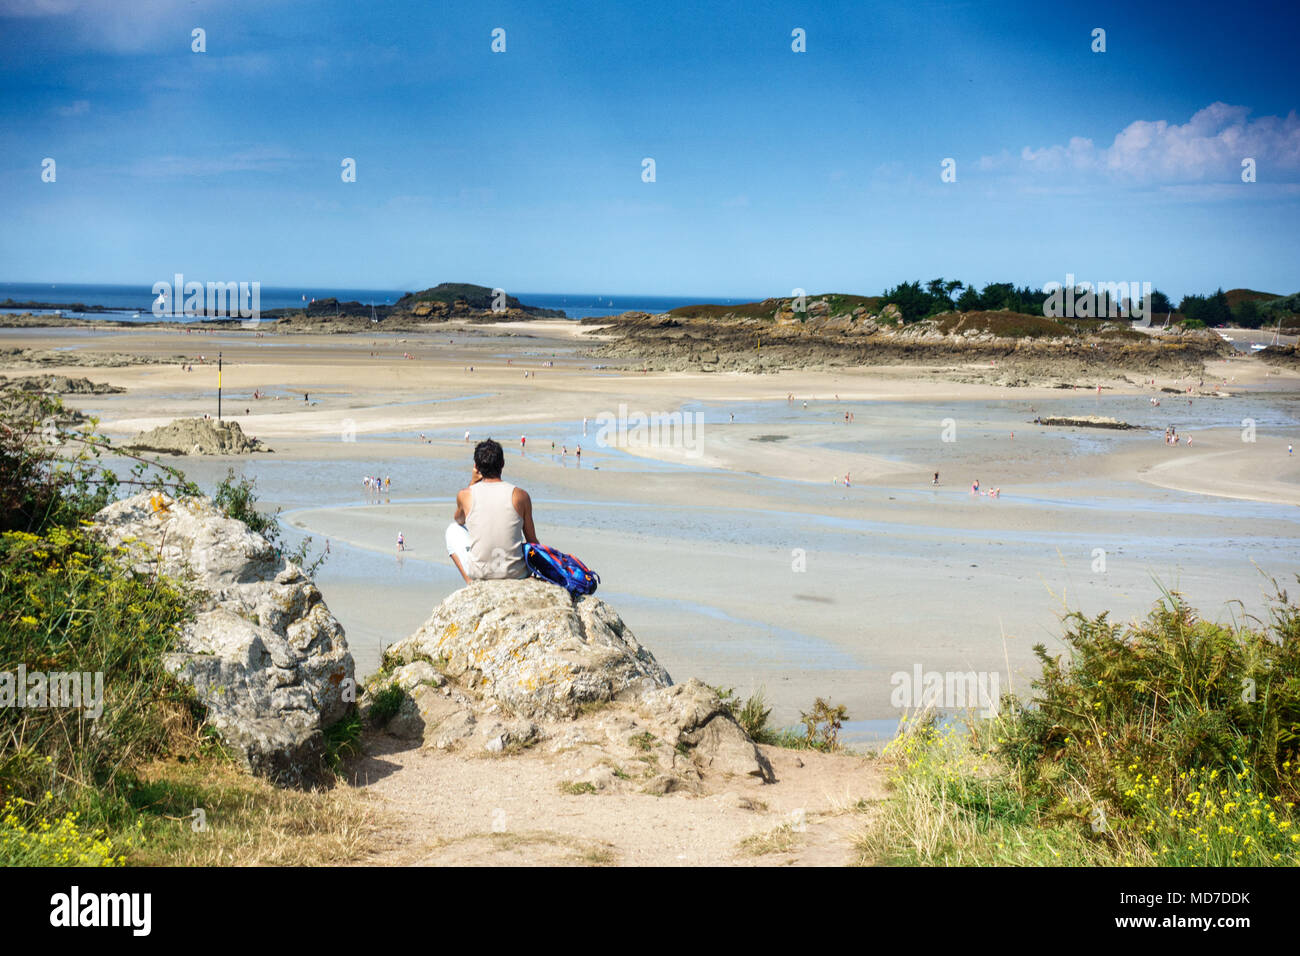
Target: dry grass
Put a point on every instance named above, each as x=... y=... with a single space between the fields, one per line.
x=250 y=822
x=783 y=839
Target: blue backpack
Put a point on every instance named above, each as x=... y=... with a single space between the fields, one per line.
x=560 y=568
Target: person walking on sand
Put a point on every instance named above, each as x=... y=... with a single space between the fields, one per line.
x=493 y=521
x=936 y=479
x=975 y=487
x=523 y=442
x=401 y=541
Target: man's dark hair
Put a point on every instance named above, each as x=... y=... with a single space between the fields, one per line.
x=489 y=459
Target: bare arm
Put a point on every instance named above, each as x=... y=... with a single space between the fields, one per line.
x=524 y=506
x=462 y=506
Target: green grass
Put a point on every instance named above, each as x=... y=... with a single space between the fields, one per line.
x=70 y=605
x=385 y=703
x=85 y=786
x=1168 y=741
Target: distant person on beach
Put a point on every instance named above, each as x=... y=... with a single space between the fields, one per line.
x=401 y=541
x=493 y=521
x=936 y=479
x=975 y=487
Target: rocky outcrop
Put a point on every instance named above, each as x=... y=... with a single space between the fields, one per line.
x=21 y=356
x=692 y=716
x=505 y=666
x=197 y=436
x=1085 y=421
x=530 y=647
x=999 y=347
x=263 y=653
x=60 y=385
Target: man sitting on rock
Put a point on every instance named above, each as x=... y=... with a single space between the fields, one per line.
x=493 y=521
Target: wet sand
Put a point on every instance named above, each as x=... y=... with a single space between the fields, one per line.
x=738 y=559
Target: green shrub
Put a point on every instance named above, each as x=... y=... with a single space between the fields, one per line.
x=385 y=703
x=822 y=724
x=236 y=497
x=68 y=605
x=1169 y=694
x=50 y=471
x=753 y=716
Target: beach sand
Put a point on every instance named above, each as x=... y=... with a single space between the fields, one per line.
x=742 y=558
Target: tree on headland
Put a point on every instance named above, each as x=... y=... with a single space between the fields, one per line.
x=1212 y=310
x=970 y=300
x=1247 y=314
x=1158 y=303
x=912 y=302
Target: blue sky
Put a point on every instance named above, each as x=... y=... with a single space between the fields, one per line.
x=774 y=169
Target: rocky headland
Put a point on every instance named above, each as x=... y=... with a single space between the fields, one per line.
x=1000 y=348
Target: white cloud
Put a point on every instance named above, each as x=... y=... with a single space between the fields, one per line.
x=75 y=108
x=1209 y=146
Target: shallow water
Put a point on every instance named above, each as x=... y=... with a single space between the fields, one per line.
x=935 y=584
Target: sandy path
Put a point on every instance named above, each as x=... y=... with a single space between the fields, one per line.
x=442 y=810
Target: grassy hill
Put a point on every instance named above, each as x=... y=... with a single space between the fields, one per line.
x=1238 y=296
x=477 y=297
x=838 y=303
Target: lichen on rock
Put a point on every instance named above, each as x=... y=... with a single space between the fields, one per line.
x=263 y=652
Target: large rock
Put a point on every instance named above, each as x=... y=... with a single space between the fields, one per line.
x=524 y=657
x=532 y=648
x=263 y=653
x=692 y=716
x=197 y=436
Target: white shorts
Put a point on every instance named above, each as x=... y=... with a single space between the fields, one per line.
x=458 y=546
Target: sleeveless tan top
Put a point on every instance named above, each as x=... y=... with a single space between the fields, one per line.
x=496 y=531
